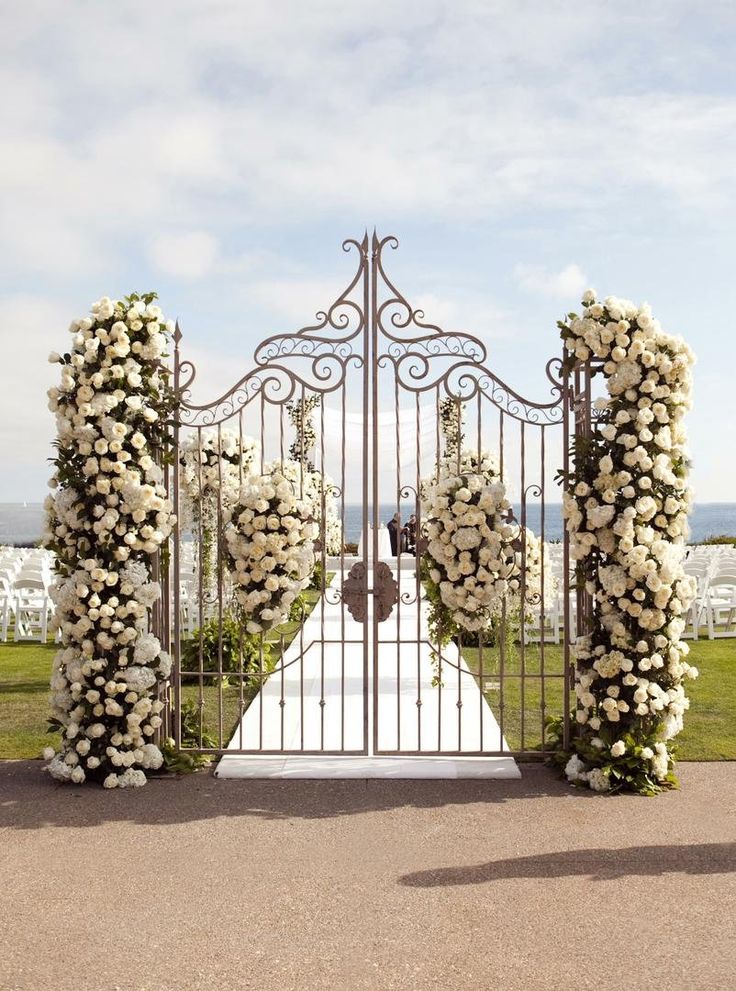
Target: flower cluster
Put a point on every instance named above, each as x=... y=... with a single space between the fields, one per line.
x=315 y=485
x=626 y=512
x=210 y=462
x=477 y=556
x=270 y=543
x=108 y=516
x=319 y=490
x=452 y=421
x=300 y=413
x=213 y=465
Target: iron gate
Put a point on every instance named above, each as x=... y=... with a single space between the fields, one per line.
x=363 y=398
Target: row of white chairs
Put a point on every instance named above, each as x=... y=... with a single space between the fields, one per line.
x=25 y=604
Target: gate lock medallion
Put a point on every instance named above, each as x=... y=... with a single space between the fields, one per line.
x=385 y=591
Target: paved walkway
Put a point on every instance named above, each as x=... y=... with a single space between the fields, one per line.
x=204 y=884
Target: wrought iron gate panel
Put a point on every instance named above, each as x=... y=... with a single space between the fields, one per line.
x=383 y=366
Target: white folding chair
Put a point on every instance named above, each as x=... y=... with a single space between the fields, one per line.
x=701 y=573
x=721 y=605
x=32 y=610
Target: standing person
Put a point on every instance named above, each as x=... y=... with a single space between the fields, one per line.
x=411 y=534
x=394 y=526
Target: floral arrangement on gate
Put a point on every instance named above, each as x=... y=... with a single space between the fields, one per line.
x=211 y=463
x=216 y=461
x=269 y=537
x=476 y=552
x=626 y=512
x=452 y=421
x=108 y=516
x=301 y=414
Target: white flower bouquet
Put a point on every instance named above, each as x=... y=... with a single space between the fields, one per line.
x=270 y=538
x=477 y=556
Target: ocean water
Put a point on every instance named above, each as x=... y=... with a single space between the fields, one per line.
x=22 y=523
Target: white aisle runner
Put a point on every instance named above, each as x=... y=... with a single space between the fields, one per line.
x=405 y=673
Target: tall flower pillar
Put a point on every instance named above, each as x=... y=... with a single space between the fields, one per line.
x=625 y=505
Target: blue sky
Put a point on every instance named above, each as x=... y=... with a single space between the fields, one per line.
x=219 y=152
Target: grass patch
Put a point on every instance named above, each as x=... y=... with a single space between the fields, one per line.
x=709 y=734
x=25 y=671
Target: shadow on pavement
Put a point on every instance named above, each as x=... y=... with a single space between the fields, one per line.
x=29 y=799
x=598 y=865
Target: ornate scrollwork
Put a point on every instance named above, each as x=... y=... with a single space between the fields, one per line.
x=316 y=358
x=425 y=357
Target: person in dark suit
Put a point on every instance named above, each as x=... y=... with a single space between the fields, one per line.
x=394 y=532
x=411 y=534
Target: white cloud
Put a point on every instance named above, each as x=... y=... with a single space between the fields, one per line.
x=229 y=139
x=463 y=314
x=568 y=283
x=30 y=327
x=186 y=255
x=426 y=111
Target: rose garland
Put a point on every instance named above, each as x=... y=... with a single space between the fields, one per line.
x=626 y=511
x=473 y=559
x=109 y=516
x=270 y=544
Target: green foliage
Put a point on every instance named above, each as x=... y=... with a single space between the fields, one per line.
x=629 y=772
x=179 y=761
x=236 y=643
x=316 y=581
x=720 y=539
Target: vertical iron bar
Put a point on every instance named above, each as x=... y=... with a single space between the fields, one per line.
x=522 y=609
x=376 y=508
x=417 y=578
x=397 y=407
x=367 y=317
x=323 y=559
x=219 y=585
x=176 y=536
x=543 y=559
x=200 y=585
x=566 y=563
x=342 y=570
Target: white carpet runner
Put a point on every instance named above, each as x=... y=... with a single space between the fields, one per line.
x=454 y=717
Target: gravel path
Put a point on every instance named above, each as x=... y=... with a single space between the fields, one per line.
x=204 y=884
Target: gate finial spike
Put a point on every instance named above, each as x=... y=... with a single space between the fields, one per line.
x=177 y=335
x=374 y=240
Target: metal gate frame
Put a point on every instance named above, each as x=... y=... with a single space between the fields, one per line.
x=369 y=330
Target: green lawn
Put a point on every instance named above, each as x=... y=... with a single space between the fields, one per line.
x=710 y=728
